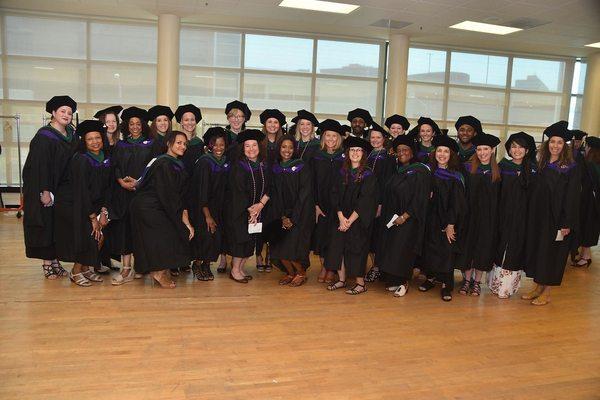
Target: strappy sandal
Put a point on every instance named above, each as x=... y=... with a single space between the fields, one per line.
x=586 y=262
x=120 y=279
x=426 y=285
x=286 y=280
x=354 y=291
x=446 y=294
x=329 y=277
x=298 y=280
x=165 y=285
x=476 y=288
x=79 y=279
x=174 y=272
x=373 y=275
x=337 y=285
x=465 y=288
x=92 y=276
x=60 y=271
x=205 y=267
x=197 y=271
x=49 y=272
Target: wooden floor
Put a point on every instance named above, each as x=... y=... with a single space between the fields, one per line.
x=222 y=340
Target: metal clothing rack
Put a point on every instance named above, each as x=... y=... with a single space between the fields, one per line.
x=18 y=209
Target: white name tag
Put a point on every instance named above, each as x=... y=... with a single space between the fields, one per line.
x=255 y=228
x=391 y=223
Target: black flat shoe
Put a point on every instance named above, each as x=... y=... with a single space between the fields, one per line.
x=446 y=294
x=426 y=286
x=244 y=280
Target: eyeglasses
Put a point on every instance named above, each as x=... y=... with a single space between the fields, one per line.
x=238 y=116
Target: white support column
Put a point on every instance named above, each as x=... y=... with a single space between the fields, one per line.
x=397 y=74
x=167 y=66
x=590 y=110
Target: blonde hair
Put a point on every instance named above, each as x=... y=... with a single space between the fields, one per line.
x=297 y=133
x=338 y=145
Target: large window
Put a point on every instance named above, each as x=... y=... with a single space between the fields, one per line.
x=507 y=93
x=97 y=63
x=577 y=94
x=327 y=77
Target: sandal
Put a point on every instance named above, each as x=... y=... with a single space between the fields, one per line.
x=586 y=262
x=207 y=272
x=446 y=294
x=197 y=271
x=337 y=285
x=465 y=288
x=475 y=288
x=354 y=291
x=260 y=268
x=541 y=300
x=165 y=285
x=373 y=275
x=174 y=272
x=426 y=285
x=285 y=280
x=221 y=269
x=122 y=279
x=92 y=276
x=401 y=291
x=79 y=279
x=60 y=271
x=49 y=272
x=298 y=280
x=268 y=268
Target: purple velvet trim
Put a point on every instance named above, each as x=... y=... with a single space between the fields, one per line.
x=49 y=134
x=278 y=169
x=246 y=166
x=562 y=170
x=447 y=175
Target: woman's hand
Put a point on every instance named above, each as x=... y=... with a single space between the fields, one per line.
x=191 y=229
x=450 y=233
x=127 y=183
x=96 y=229
x=211 y=224
x=319 y=213
x=46 y=199
x=255 y=209
x=286 y=223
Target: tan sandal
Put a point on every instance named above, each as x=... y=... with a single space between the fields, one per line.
x=535 y=293
x=92 y=276
x=541 y=300
x=298 y=280
x=120 y=279
x=79 y=279
x=286 y=280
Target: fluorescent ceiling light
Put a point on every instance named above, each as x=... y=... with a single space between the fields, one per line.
x=597 y=44
x=485 y=28
x=318 y=5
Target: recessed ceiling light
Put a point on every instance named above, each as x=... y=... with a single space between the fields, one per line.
x=485 y=28
x=318 y=5
x=597 y=44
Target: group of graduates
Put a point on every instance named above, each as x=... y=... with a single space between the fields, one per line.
x=126 y=186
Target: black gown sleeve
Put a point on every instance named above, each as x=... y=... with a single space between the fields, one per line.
x=570 y=211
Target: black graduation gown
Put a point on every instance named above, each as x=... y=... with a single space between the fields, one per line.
x=307 y=150
x=448 y=206
x=271 y=148
x=247 y=183
x=554 y=204
x=382 y=165
x=465 y=155
x=207 y=189
x=590 y=205
x=49 y=155
x=325 y=168
x=423 y=153
x=408 y=190
x=160 y=238
x=515 y=189
x=85 y=191
x=481 y=235
x=232 y=148
x=195 y=149
x=352 y=246
x=128 y=159
x=292 y=197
